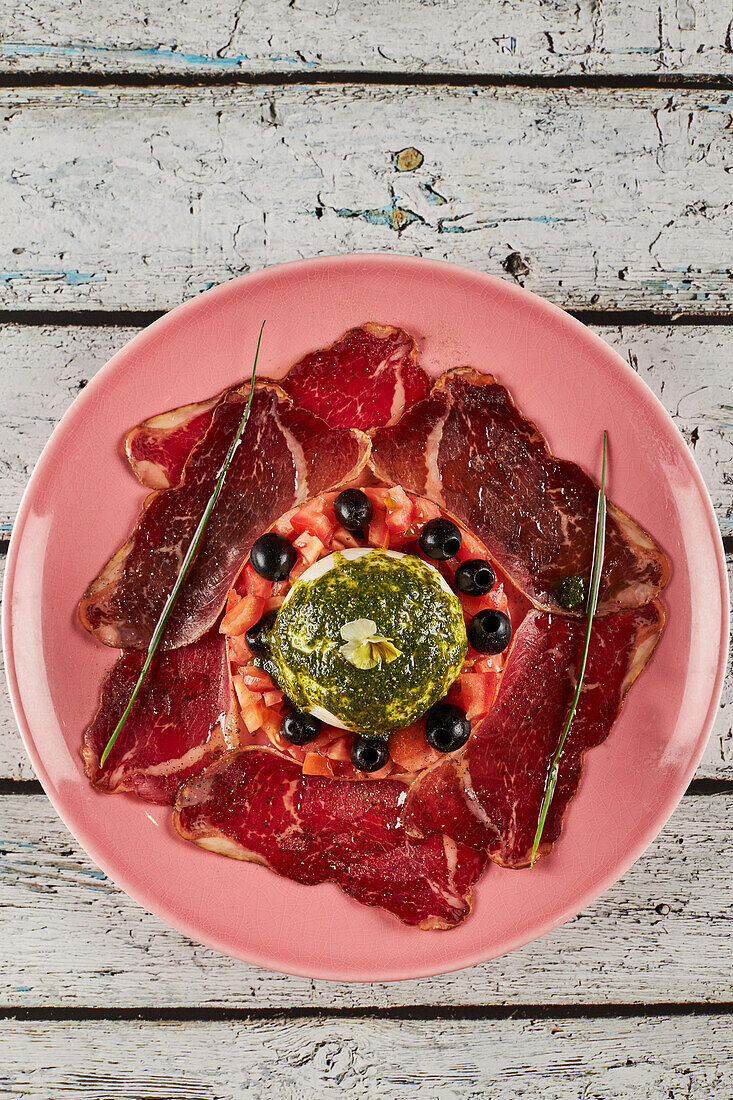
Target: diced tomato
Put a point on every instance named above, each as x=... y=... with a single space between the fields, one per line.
x=284 y=526
x=310 y=548
x=244 y=696
x=425 y=510
x=478 y=690
x=273 y=698
x=238 y=650
x=313 y=517
x=270 y=722
x=471 y=547
x=256 y=679
x=340 y=747
x=489 y=664
x=378 y=531
x=242 y=615
x=253 y=715
x=400 y=509
x=376 y=494
x=315 y=764
x=409 y=749
x=473 y=604
x=453 y=694
x=253 y=584
x=274 y=602
x=343 y=539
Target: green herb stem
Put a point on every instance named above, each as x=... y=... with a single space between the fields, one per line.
x=187 y=562
x=599 y=542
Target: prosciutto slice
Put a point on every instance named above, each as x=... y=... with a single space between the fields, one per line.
x=182 y=720
x=491 y=798
x=255 y=805
x=468 y=448
x=286 y=454
x=158 y=448
x=365 y=379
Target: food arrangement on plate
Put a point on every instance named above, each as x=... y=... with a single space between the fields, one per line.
x=368 y=625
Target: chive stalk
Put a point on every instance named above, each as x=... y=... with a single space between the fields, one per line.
x=595 y=584
x=187 y=562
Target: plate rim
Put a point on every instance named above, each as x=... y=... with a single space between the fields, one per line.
x=264 y=958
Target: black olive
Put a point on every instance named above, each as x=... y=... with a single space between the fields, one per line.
x=273 y=556
x=256 y=636
x=299 y=727
x=446 y=727
x=475 y=577
x=369 y=754
x=353 y=510
x=440 y=539
x=490 y=631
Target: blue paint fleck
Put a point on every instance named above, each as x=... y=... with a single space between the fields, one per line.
x=73 y=278
x=22 y=989
x=394 y=216
x=31 y=48
x=95 y=874
x=434 y=197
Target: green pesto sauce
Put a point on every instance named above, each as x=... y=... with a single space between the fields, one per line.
x=405 y=599
x=571 y=591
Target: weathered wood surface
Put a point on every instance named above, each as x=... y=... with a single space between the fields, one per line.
x=376 y=1059
x=70 y=938
x=274 y=36
x=687 y=367
x=138 y=198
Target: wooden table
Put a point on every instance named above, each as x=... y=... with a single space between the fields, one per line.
x=147 y=152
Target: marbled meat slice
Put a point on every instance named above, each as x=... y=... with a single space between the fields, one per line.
x=254 y=805
x=286 y=455
x=364 y=380
x=158 y=448
x=491 y=798
x=182 y=720
x=468 y=448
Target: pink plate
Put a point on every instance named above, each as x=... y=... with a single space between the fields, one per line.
x=82 y=500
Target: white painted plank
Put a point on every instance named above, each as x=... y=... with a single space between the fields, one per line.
x=688 y=367
x=138 y=198
x=272 y=36
x=370 y=1059
x=661 y=934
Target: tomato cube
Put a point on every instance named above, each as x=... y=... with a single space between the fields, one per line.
x=313 y=517
x=478 y=690
x=378 y=531
x=237 y=649
x=256 y=679
x=400 y=509
x=252 y=583
x=243 y=615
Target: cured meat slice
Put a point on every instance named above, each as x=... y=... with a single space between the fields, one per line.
x=158 y=448
x=286 y=454
x=468 y=448
x=255 y=805
x=183 y=718
x=366 y=379
x=492 y=797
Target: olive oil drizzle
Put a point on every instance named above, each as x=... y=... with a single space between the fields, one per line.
x=595 y=584
x=187 y=562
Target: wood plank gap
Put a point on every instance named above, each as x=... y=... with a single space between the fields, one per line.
x=20 y=786
x=120 y=318
x=406 y=1012
x=696 y=787
x=671 y=81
